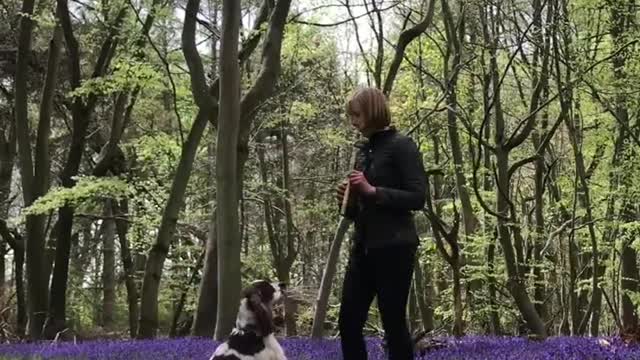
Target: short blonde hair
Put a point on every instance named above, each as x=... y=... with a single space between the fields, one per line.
x=374 y=105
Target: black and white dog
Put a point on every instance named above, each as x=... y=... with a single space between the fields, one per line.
x=253 y=338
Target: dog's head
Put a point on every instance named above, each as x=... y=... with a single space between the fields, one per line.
x=259 y=297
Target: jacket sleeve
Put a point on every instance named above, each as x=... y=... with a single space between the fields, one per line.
x=411 y=192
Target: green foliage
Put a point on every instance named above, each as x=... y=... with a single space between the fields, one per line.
x=85 y=193
x=126 y=76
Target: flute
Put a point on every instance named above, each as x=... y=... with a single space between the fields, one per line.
x=345 y=198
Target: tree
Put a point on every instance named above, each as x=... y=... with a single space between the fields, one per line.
x=207 y=304
x=227 y=221
x=81 y=113
x=34 y=172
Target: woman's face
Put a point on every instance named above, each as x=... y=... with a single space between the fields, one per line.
x=358 y=120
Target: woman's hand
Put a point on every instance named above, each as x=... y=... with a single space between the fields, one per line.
x=340 y=190
x=360 y=184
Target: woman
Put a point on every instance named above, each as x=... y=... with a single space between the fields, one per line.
x=389 y=185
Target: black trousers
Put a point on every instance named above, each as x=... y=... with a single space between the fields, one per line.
x=386 y=274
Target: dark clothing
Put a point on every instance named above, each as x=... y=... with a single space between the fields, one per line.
x=392 y=163
x=384 y=243
x=384 y=273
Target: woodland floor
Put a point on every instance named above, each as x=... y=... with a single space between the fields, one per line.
x=470 y=347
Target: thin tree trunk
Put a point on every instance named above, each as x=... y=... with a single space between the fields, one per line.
x=623 y=16
x=286 y=260
x=458 y=323
x=424 y=296
x=205 y=317
x=50 y=251
x=173 y=332
x=539 y=230
x=154 y=265
x=414 y=318
x=490 y=231
x=454 y=46
x=204 y=321
x=322 y=300
x=227 y=226
x=108 y=269
x=494 y=317
x=3 y=276
x=629 y=273
x=122 y=225
x=262 y=89
x=515 y=283
x=21 y=318
x=7 y=160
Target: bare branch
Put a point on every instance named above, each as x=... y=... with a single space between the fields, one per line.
x=358 y=41
x=406 y=37
x=266 y=81
x=196 y=70
x=295 y=18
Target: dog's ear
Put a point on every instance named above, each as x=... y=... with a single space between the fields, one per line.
x=264 y=317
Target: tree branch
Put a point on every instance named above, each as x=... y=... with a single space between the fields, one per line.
x=266 y=80
x=199 y=87
x=406 y=37
x=295 y=18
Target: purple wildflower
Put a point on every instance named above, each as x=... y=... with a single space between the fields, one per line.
x=468 y=348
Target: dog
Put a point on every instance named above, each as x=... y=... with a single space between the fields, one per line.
x=253 y=336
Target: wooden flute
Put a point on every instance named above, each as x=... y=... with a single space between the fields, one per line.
x=345 y=198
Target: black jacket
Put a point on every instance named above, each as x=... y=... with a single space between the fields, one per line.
x=393 y=164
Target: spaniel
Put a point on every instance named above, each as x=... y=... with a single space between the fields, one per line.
x=253 y=336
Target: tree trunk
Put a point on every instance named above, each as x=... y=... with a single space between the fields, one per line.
x=424 y=296
x=154 y=265
x=623 y=16
x=629 y=273
x=208 y=111
x=173 y=332
x=50 y=251
x=108 y=269
x=227 y=225
x=261 y=90
x=205 y=317
x=122 y=225
x=286 y=259
x=21 y=319
x=204 y=322
x=34 y=178
x=451 y=78
x=3 y=276
x=539 y=230
x=515 y=283
x=458 y=324
x=7 y=159
x=494 y=317
x=81 y=114
x=290 y=311
x=56 y=320
x=414 y=318
x=322 y=300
